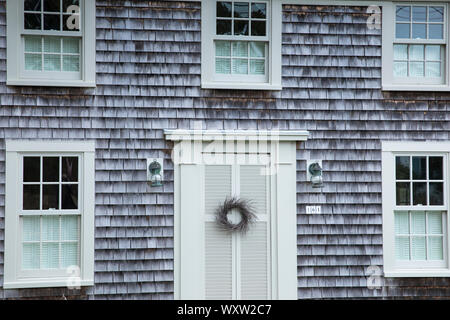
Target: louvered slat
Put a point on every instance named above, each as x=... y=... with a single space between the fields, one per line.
x=254 y=265
x=253 y=187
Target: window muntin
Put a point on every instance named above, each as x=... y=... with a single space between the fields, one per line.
x=241 y=41
x=51 y=40
x=51 y=212
x=419 y=44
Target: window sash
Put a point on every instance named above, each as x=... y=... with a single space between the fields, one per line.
x=50 y=32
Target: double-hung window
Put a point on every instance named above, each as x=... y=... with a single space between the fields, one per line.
x=415 y=208
x=49 y=221
x=241 y=45
x=51 y=42
x=415 y=46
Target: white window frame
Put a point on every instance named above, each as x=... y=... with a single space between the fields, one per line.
x=13 y=276
x=273 y=54
x=391 y=83
x=393 y=268
x=282 y=152
x=16 y=76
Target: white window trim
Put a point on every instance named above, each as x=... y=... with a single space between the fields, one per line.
x=283 y=199
x=388 y=34
x=388 y=204
x=14 y=62
x=14 y=149
x=208 y=52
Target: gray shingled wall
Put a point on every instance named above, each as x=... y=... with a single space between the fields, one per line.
x=148 y=76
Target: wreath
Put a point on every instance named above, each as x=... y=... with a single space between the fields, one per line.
x=245 y=209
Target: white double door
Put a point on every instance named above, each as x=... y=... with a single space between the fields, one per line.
x=218 y=264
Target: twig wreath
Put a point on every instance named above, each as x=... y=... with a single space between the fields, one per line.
x=243 y=207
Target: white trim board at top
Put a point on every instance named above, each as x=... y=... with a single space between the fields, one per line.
x=237 y=135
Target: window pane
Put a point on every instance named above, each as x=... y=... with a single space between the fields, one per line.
x=436 y=14
x=435 y=248
x=259 y=10
x=400 y=69
x=70 y=196
x=32 y=5
x=71 y=63
x=420 y=193
x=240 y=49
x=33 y=62
x=240 y=66
x=433 y=53
x=69 y=254
x=71 y=45
x=402 y=168
x=433 y=69
x=416 y=69
x=436 y=31
x=31 y=228
x=52 y=62
x=68 y=23
x=52 y=45
x=32 y=21
x=52 y=6
x=435 y=168
x=436 y=193
x=241 y=10
x=224 y=9
x=33 y=44
x=68 y=3
x=69 y=228
x=419 y=14
x=416 y=52
x=50 y=197
x=400 y=52
x=419 y=31
x=51 y=169
x=30 y=256
x=223 y=66
x=418 y=248
x=401 y=223
x=403 y=194
x=50 y=256
x=50 y=228
x=403 y=13
x=418 y=223
x=31 y=196
x=419 y=168
x=402 y=31
x=223 y=48
x=257 y=49
x=258 y=28
x=402 y=248
x=31 y=169
x=257 y=67
x=241 y=28
x=224 y=27
x=434 y=223
x=52 y=22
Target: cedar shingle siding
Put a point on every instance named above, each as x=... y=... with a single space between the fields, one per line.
x=148 y=79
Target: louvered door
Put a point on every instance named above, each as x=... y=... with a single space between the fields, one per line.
x=236 y=266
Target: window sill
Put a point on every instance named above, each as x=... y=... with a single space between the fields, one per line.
x=51 y=83
x=395 y=87
x=241 y=86
x=45 y=283
x=417 y=273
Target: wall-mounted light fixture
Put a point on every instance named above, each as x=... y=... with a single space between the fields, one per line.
x=314 y=173
x=155 y=172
